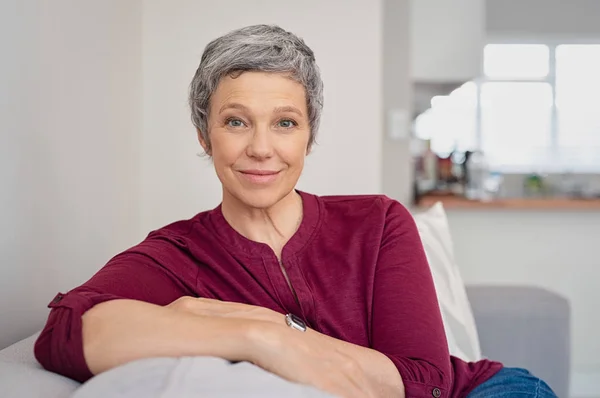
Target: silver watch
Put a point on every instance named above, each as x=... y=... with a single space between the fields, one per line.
x=295 y=322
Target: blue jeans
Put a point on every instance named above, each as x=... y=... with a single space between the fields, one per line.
x=512 y=383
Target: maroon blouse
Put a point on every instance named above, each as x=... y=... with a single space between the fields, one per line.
x=356 y=263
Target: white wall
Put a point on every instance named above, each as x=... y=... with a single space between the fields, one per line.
x=347 y=43
x=70 y=119
x=396 y=172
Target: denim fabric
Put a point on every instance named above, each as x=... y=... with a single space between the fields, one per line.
x=513 y=382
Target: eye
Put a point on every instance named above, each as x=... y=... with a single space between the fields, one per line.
x=287 y=123
x=234 y=122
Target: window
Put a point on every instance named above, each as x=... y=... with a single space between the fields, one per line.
x=536 y=108
x=515 y=122
x=516 y=61
x=458 y=110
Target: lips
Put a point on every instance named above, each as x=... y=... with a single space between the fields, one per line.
x=259 y=176
x=259 y=172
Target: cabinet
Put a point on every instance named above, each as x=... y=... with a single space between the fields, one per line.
x=447 y=39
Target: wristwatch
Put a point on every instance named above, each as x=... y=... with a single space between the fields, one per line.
x=295 y=322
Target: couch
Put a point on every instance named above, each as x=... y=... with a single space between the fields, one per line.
x=520 y=326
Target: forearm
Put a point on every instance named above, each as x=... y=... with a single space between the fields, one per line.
x=120 y=331
x=378 y=367
x=273 y=339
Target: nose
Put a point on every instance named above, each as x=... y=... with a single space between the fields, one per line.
x=260 y=145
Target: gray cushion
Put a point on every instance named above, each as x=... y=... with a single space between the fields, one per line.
x=21 y=352
x=526 y=327
x=191 y=377
x=22 y=376
x=18 y=380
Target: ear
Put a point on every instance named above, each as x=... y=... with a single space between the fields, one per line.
x=205 y=145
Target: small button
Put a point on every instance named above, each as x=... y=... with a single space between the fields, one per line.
x=57 y=299
x=437 y=393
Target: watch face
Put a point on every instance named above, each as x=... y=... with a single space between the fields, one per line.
x=295 y=322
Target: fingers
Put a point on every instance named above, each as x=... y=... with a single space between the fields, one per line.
x=304 y=359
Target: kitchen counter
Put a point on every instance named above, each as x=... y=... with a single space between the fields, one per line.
x=455 y=202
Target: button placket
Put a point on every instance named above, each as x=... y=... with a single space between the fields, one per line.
x=283 y=290
x=299 y=286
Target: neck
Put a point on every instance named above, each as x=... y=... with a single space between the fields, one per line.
x=273 y=226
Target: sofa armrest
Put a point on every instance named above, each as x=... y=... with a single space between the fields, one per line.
x=527 y=327
x=18 y=380
x=22 y=376
x=21 y=352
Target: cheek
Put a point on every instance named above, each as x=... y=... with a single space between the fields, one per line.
x=225 y=151
x=294 y=149
x=295 y=156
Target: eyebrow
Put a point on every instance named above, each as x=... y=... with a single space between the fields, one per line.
x=233 y=106
x=285 y=109
x=279 y=109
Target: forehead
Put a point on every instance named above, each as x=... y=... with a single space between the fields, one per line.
x=258 y=89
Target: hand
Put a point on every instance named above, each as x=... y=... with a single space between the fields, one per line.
x=210 y=307
x=307 y=358
x=301 y=357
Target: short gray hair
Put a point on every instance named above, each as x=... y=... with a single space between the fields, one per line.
x=262 y=48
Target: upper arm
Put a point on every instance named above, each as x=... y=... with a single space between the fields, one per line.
x=136 y=274
x=407 y=323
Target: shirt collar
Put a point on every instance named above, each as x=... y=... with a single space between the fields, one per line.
x=311 y=217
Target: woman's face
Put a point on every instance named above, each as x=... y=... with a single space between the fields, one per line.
x=259 y=132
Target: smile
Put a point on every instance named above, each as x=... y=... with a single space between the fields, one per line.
x=259 y=176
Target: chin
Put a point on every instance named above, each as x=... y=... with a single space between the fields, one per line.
x=261 y=199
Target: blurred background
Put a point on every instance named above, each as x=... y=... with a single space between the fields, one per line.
x=490 y=106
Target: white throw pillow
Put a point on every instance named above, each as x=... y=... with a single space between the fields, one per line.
x=461 y=332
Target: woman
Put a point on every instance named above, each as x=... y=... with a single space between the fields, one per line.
x=332 y=292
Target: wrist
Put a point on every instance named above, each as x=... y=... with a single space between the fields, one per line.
x=264 y=338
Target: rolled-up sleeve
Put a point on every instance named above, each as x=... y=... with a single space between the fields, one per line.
x=407 y=323
x=135 y=274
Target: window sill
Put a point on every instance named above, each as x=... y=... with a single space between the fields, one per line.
x=458 y=203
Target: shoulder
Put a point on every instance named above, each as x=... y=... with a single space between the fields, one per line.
x=372 y=205
x=183 y=228
x=371 y=216
x=172 y=245
x=177 y=237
